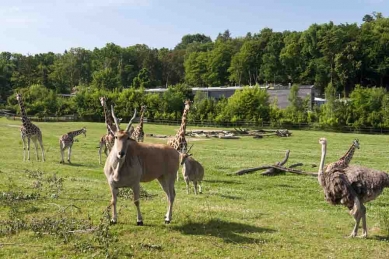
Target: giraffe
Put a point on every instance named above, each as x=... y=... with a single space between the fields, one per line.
x=29 y=131
x=344 y=161
x=107 y=140
x=138 y=133
x=67 y=140
x=179 y=141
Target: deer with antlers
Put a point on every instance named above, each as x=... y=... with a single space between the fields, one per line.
x=191 y=170
x=131 y=162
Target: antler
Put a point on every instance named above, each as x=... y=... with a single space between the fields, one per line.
x=130 y=123
x=189 y=148
x=115 y=119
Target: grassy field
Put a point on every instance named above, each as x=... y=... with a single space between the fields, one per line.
x=47 y=209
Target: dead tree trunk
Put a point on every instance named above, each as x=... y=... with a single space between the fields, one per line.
x=275 y=169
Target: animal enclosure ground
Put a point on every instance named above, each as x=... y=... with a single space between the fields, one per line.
x=50 y=210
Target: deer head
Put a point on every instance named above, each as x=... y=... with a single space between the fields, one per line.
x=122 y=137
x=184 y=155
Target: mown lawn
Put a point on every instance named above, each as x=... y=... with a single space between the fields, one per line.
x=47 y=209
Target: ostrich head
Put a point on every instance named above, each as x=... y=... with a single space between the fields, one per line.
x=323 y=141
x=356 y=143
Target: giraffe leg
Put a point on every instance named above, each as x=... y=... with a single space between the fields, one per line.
x=28 y=149
x=42 y=149
x=61 y=148
x=36 y=149
x=69 y=152
x=24 y=147
x=100 y=149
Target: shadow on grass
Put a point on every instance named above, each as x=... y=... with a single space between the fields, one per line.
x=228 y=231
x=72 y=164
x=222 y=181
x=379 y=238
x=230 y=197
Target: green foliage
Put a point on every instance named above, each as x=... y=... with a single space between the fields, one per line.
x=248 y=104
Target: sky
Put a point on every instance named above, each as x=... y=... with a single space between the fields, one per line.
x=40 y=26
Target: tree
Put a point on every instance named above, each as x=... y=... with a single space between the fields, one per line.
x=192 y=38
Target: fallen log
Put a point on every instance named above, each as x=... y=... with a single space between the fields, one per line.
x=275 y=169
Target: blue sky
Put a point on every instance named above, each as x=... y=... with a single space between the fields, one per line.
x=37 y=26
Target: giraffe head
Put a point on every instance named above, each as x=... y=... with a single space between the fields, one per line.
x=18 y=96
x=84 y=131
x=356 y=143
x=143 y=108
x=184 y=155
x=103 y=100
x=187 y=104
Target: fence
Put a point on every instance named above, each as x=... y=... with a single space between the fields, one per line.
x=237 y=124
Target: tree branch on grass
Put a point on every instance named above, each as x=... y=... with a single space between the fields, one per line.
x=275 y=169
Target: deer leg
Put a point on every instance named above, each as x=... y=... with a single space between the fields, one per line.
x=168 y=186
x=200 y=189
x=136 y=191
x=114 y=192
x=356 y=212
x=195 y=187
x=28 y=149
x=187 y=184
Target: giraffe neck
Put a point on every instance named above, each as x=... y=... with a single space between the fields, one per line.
x=75 y=133
x=349 y=155
x=108 y=119
x=141 y=117
x=181 y=131
x=25 y=120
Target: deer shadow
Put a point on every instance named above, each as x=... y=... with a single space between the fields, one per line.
x=222 y=181
x=228 y=231
x=72 y=164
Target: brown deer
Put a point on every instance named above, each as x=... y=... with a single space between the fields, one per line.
x=192 y=170
x=131 y=162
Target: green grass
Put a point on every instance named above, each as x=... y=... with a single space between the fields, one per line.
x=246 y=216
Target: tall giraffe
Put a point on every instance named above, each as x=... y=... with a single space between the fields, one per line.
x=344 y=161
x=179 y=141
x=138 y=133
x=106 y=141
x=29 y=131
x=67 y=140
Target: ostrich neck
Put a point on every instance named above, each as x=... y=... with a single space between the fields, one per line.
x=323 y=156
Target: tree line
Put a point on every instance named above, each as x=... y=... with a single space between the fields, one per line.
x=366 y=107
x=335 y=58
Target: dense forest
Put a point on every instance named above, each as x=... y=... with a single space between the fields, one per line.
x=347 y=59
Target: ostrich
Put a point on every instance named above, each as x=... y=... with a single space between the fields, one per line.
x=351 y=187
